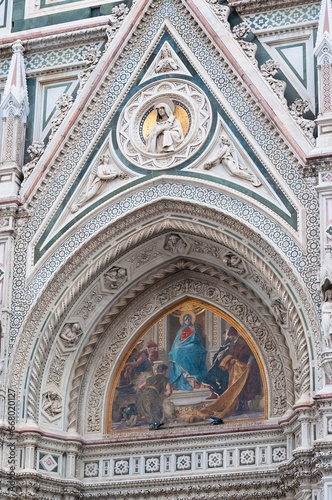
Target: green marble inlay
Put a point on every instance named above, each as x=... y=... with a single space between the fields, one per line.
x=291 y=291
x=48 y=114
x=256 y=249
x=276 y=269
x=208 y=223
x=303 y=77
x=34 y=347
x=313 y=380
x=311 y=348
x=233 y=234
x=42 y=328
x=305 y=321
x=61 y=295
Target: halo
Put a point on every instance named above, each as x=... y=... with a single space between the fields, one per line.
x=167 y=101
x=192 y=314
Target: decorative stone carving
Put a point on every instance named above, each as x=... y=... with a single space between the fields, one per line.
x=145 y=256
x=89 y=305
x=297 y=110
x=175 y=244
x=206 y=249
x=63 y=105
x=91 y=57
x=234 y=262
x=164 y=124
x=119 y=12
x=279 y=311
x=262 y=284
x=166 y=62
x=240 y=32
x=221 y=11
x=99 y=176
x=327 y=318
x=56 y=368
x=71 y=334
x=229 y=159
x=35 y=150
x=269 y=69
x=52 y=404
x=115 y=278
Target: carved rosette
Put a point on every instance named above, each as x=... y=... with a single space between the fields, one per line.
x=191 y=108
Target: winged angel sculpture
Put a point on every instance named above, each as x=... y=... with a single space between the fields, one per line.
x=229 y=159
x=99 y=176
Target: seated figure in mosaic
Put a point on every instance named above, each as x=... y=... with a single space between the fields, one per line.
x=99 y=176
x=166 y=134
x=228 y=158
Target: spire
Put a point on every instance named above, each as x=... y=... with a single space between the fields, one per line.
x=325 y=23
x=15 y=95
x=323 y=52
x=14 y=109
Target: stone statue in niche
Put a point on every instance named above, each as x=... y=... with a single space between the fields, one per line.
x=234 y=262
x=166 y=134
x=279 y=311
x=166 y=61
x=228 y=158
x=52 y=404
x=99 y=176
x=70 y=334
x=327 y=318
x=175 y=244
x=115 y=277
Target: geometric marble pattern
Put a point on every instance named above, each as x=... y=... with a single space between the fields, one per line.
x=215 y=459
x=152 y=464
x=121 y=467
x=91 y=469
x=247 y=457
x=183 y=462
x=300 y=14
x=279 y=454
x=48 y=462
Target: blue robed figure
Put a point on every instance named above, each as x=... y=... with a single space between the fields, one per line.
x=187 y=356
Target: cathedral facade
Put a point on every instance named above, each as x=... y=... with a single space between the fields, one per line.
x=166 y=250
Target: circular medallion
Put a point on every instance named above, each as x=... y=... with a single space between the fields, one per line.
x=164 y=124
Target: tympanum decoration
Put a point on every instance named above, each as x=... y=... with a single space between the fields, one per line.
x=187 y=371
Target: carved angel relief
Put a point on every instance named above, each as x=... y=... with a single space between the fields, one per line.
x=115 y=278
x=100 y=175
x=228 y=158
x=71 y=334
x=175 y=244
x=234 y=262
x=166 y=62
x=52 y=404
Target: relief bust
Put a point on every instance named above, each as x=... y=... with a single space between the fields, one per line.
x=166 y=134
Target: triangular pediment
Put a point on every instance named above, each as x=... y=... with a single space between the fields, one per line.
x=169 y=61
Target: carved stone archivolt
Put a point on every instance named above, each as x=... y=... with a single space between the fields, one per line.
x=164 y=124
x=202 y=237
x=124 y=329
